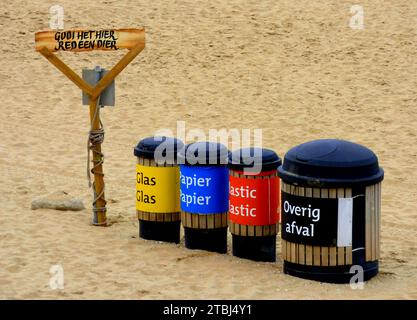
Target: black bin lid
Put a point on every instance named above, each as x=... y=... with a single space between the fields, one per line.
x=146 y=148
x=255 y=159
x=204 y=154
x=331 y=163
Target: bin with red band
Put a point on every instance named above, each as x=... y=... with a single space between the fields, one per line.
x=254 y=203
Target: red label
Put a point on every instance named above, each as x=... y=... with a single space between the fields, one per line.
x=254 y=202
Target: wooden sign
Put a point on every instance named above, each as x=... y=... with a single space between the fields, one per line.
x=49 y=42
x=87 y=40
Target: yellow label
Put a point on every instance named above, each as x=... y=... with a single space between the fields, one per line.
x=157 y=189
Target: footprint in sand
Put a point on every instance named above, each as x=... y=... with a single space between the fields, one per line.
x=22 y=190
x=14 y=268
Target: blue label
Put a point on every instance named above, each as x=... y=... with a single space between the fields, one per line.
x=204 y=189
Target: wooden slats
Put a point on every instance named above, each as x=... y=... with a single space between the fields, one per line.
x=348 y=255
x=378 y=219
x=265 y=230
x=309 y=255
x=188 y=221
x=151 y=163
x=315 y=255
x=258 y=231
x=325 y=251
x=373 y=226
x=372 y=221
x=325 y=256
x=204 y=221
x=243 y=230
x=168 y=217
x=301 y=254
x=146 y=216
x=218 y=221
x=341 y=256
x=293 y=253
x=231 y=226
x=194 y=221
x=239 y=175
x=332 y=256
x=254 y=231
x=251 y=231
x=210 y=221
x=368 y=223
x=224 y=220
x=283 y=249
x=332 y=193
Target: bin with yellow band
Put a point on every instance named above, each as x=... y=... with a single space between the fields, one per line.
x=157 y=189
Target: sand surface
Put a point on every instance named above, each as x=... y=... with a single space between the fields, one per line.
x=292 y=68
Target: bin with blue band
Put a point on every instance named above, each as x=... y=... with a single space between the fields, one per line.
x=254 y=203
x=158 y=189
x=331 y=211
x=204 y=195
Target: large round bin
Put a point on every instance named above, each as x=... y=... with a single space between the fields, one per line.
x=204 y=196
x=330 y=211
x=158 y=189
x=254 y=203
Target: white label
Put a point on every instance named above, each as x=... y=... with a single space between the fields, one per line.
x=344 y=222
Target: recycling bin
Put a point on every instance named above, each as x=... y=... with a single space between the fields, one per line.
x=204 y=186
x=330 y=211
x=158 y=188
x=254 y=203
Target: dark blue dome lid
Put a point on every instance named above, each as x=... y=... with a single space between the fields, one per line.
x=247 y=158
x=204 y=154
x=331 y=162
x=146 y=147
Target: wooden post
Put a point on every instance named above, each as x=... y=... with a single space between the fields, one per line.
x=99 y=205
x=47 y=42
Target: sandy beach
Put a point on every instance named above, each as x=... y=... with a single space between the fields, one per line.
x=294 y=69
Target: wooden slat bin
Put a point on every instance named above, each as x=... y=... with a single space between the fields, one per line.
x=157 y=189
x=204 y=196
x=330 y=211
x=254 y=203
